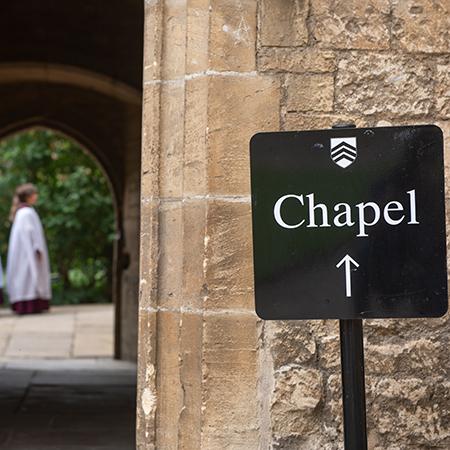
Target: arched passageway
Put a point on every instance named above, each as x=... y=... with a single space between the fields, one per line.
x=77 y=67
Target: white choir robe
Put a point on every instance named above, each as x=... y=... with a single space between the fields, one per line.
x=27 y=276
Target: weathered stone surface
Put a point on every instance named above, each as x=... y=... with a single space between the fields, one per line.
x=296 y=399
x=238 y=108
x=233 y=35
x=330 y=352
x=148 y=252
x=198 y=16
x=146 y=387
x=170 y=391
x=190 y=360
x=171 y=140
x=195 y=132
x=173 y=46
x=296 y=60
x=194 y=286
x=422 y=25
x=152 y=43
x=351 y=24
x=383 y=83
x=443 y=88
x=420 y=357
x=171 y=254
x=313 y=121
x=229 y=268
x=283 y=23
x=416 y=408
x=229 y=382
x=291 y=343
x=309 y=92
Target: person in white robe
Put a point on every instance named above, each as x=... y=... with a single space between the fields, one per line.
x=27 y=267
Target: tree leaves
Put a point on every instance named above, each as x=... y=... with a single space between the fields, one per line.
x=75 y=205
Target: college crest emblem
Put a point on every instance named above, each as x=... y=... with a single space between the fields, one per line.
x=343 y=151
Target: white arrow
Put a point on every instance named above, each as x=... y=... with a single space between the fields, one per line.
x=348 y=260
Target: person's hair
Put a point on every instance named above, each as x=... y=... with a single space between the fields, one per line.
x=22 y=194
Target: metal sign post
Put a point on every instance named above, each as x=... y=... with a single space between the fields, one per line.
x=353 y=386
x=349 y=224
x=352 y=370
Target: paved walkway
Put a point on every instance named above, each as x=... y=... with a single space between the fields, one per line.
x=59 y=387
x=67 y=405
x=80 y=331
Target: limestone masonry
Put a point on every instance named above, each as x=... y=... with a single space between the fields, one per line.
x=212 y=376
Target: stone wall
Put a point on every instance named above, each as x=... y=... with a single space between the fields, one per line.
x=211 y=375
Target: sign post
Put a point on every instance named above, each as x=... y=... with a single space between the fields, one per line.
x=352 y=366
x=348 y=224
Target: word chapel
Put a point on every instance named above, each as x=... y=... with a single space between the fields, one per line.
x=364 y=215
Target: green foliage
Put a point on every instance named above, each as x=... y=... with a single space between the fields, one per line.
x=75 y=207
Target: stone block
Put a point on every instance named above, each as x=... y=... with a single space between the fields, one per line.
x=173 y=49
x=329 y=350
x=170 y=265
x=194 y=287
x=296 y=400
x=334 y=400
x=291 y=343
x=300 y=121
x=422 y=357
x=239 y=106
x=385 y=84
x=351 y=24
x=170 y=395
x=422 y=25
x=229 y=263
x=230 y=398
x=198 y=17
x=403 y=404
x=283 y=23
x=152 y=39
x=296 y=60
x=148 y=254
x=233 y=35
x=150 y=140
x=195 y=133
x=172 y=140
x=442 y=81
x=191 y=381
x=146 y=386
x=309 y=92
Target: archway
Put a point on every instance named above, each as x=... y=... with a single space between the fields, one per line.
x=78 y=69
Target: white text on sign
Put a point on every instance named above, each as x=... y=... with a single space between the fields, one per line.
x=364 y=215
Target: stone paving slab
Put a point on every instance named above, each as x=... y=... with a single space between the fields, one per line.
x=75 y=331
x=44 y=345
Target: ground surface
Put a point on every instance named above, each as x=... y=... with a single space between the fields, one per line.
x=51 y=402
x=80 y=331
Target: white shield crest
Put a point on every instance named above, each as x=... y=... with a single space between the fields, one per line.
x=343 y=151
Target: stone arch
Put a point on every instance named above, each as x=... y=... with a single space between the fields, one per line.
x=84 y=142
x=77 y=68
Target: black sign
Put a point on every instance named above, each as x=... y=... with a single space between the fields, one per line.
x=349 y=223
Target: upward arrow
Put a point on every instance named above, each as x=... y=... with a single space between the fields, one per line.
x=348 y=261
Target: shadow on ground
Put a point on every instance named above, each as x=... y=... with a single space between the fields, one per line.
x=67 y=405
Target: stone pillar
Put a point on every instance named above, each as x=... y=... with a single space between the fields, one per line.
x=203 y=100
x=131 y=221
